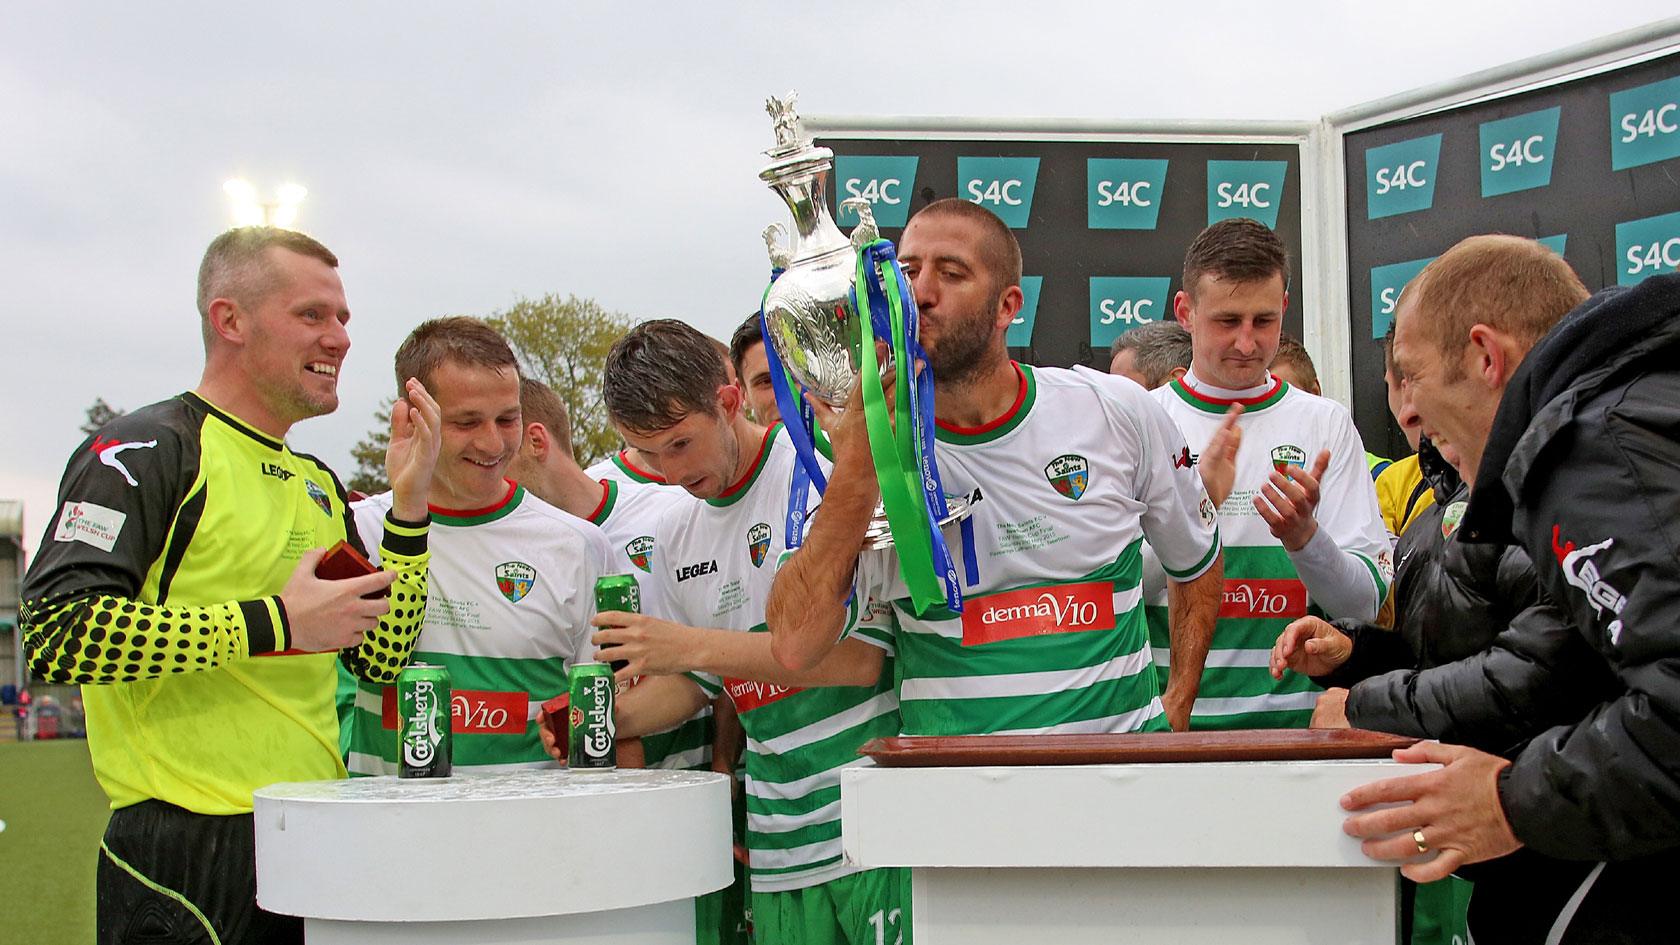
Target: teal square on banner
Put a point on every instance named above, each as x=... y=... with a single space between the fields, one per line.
x=887 y=183
x=1020 y=330
x=1555 y=243
x=1121 y=303
x=1386 y=283
x=1517 y=152
x=1647 y=247
x=1645 y=124
x=1123 y=193
x=1400 y=177
x=1003 y=185
x=1245 y=189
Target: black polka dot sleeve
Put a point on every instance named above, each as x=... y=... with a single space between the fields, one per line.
x=387 y=648
x=103 y=638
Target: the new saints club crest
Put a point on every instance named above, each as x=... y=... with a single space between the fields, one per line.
x=1069 y=473
x=639 y=549
x=758 y=543
x=1451 y=516
x=1288 y=455
x=515 y=579
x=319 y=495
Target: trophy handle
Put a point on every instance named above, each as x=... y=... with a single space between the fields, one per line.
x=866 y=231
x=775 y=243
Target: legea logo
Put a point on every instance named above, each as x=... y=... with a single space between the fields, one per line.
x=1517 y=152
x=1400 y=177
x=1245 y=189
x=1645 y=124
x=1386 y=283
x=1647 y=247
x=1020 y=330
x=1003 y=185
x=887 y=183
x=1123 y=193
x=1121 y=303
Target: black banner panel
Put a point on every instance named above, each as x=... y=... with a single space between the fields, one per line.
x=1103 y=225
x=1591 y=167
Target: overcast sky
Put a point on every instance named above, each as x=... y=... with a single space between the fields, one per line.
x=461 y=155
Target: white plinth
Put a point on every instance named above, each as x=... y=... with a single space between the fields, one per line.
x=529 y=856
x=1181 y=853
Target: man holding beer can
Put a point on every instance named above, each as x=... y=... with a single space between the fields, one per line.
x=714 y=561
x=511 y=575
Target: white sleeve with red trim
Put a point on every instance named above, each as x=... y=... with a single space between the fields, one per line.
x=1179 y=520
x=1348 y=563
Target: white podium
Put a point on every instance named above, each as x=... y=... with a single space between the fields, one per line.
x=527 y=857
x=1250 y=853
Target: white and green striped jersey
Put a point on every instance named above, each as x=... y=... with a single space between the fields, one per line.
x=1063 y=489
x=718 y=559
x=1264 y=587
x=628 y=514
x=512 y=590
x=619 y=468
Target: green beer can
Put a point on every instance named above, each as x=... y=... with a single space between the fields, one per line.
x=424 y=724
x=617 y=592
x=591 y=743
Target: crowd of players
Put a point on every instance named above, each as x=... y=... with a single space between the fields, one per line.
x=1193 y=540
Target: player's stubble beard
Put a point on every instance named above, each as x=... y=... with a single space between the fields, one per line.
x=965 y=347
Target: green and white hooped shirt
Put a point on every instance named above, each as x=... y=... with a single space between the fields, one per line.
x=717 y=560
x=1265 y=586
x=628 y=514
x=512 y=592
x=1064 y=489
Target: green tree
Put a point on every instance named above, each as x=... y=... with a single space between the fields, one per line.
x=563 y=342
x=100 y=414
x=369 y=454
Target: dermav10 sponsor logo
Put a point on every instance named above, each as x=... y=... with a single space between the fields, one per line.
x=1123 y=193
x=1517 y=151
x=1645 y=124
x=1400 y=177
x=1250 y=189
x=887 y=183
x=1647 y=247
x=1020 y=330
x=1121 y=303
x=1003 y=185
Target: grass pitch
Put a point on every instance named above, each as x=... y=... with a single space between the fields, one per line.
x=54 y=813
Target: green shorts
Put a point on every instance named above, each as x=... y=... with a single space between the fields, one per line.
x=867 y=908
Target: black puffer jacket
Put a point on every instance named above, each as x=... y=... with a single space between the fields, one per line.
x=1582 y=469
x=1452 y=600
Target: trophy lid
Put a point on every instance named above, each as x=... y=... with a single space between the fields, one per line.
x=794 y=155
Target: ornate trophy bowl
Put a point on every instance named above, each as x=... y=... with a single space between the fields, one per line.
x=808 y=312
x=809 y=309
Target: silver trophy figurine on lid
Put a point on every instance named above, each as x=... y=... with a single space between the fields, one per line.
x=810 y=316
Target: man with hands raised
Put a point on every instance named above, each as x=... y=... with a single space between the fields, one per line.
x=1285 y=550
x=177 y=583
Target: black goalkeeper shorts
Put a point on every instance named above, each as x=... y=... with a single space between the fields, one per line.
x=168 y=876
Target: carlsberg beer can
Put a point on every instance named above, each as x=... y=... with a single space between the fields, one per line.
x=590 y=732
x=617 y=592
x=423 y=704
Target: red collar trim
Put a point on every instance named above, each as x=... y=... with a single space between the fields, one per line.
x=624 y=457
x=1277 y=385
x=990 y=425
x=752 y=470
x=474 y=513
x=606 y=496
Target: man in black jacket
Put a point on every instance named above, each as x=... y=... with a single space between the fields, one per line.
x=1569 y=438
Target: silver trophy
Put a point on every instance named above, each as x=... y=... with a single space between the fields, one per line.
x=808 y=311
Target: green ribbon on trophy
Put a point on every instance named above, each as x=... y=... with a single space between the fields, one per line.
x=903 y=452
